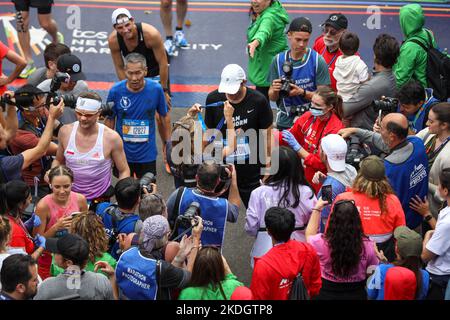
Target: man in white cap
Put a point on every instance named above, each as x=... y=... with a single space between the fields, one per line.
x=251 y=111
x=340 y=175
x=89 y=149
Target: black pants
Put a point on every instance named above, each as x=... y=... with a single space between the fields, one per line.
x=438 y=285
x=139 y=169
x=342 y=291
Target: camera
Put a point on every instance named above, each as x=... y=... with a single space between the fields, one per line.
x=224 y=179
x=386 y=105
x=107 y=109
x=22 y=100
x=70 y=100
x=356 y=152
x=286 y=79
x=146 y=181
x=299 y=110
x=190 y=214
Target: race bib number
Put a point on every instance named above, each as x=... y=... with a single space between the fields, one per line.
x=135 y=130
x=242 y=151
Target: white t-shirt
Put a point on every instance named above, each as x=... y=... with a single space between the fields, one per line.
x=439 y=244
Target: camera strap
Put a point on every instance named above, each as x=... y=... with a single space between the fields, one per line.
x=176 y=207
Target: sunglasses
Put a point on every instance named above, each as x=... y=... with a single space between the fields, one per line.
x=87 y=115
x=332 y=32
x=344 y=201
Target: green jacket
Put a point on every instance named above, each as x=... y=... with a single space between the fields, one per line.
x=412 y=62
x=55 y=269
x=201 y=293
x=269 y=29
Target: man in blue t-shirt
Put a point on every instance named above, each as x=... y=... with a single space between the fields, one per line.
x=136 y=100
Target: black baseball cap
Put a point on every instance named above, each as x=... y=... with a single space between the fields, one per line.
x=301 y=24
x=337 y=21
x=29 y=90
x=72 y=65
x=70 y=246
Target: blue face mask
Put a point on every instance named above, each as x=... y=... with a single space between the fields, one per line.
x=316 y=112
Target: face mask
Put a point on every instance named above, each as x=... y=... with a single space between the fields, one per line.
x=317 y=112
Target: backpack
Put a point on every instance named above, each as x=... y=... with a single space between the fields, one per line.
x=298 y=289
x=438 y=69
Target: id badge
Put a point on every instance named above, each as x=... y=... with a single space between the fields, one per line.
x=135 y=130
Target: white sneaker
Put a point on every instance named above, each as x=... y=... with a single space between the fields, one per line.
x=180 y=40
x=170 y=47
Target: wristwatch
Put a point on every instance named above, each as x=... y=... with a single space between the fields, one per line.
x=428 y=217
x=304 y=93
x=166 y=89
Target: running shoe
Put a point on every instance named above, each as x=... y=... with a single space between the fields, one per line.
x=29 y=69
x=180 y=40
x=170 y=47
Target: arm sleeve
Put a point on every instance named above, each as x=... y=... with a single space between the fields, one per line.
x=363 y=74
x=312 y=277
x=404 y=67
x=372 y=137
x=322 y=75
x=173 y=277
x=265 y=114
x=233 y=212
x=3 y=50
x=360 y=100
x=313 y=161
x=170 y=208
x=273 y=71
x=260 y=282
x=162 y=105
x=264 y=32
x=112 y=98
x=252 y=217
x=439 y=242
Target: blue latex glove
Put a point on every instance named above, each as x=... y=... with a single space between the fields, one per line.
x=290 y=139
x=33 y=222
x=39 y=241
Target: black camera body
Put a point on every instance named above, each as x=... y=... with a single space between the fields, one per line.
x=70 y=100
x=296 y=111
x=356 y=152
x=386 y=105
x=146 y=181
x=286 y=79
x=191 y=213
x=22 y=100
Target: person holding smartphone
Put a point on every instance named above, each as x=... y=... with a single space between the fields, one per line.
x=340 y=175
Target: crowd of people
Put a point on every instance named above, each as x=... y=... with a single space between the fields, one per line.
x=363 y=219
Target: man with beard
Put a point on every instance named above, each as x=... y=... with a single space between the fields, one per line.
x=19 y=278
x=89 y=149
x=137 y=101
x=327 y=45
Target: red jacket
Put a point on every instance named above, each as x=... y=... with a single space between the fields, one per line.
x=330 y=58
x=274 y=272
x=20 y=237
x=309 y=131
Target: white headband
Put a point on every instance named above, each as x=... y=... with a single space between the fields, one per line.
x=88 y=104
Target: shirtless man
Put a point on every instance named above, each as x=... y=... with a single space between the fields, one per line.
x=89 y=149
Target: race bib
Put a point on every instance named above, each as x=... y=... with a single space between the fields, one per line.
x=241 y=153
x=135 y=130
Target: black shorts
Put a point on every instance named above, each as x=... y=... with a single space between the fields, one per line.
x=43 y=6
x=142 y=168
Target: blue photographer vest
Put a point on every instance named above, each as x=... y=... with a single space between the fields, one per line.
x=136 y=276
x=213 y=212
x=409 y=179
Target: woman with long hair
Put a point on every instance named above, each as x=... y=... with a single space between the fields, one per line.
x=287 y=188
x=90 y=227
x=408 y=248
x=345 y=252
x=307 y=132
x=55 y=211
x=380 y=209
x=211 y=277
x=436 y=138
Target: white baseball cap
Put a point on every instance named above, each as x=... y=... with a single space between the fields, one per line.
x=231 y=79
x=118 y=12
x=335 y=147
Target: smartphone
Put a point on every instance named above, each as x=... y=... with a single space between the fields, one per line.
x=327 y=193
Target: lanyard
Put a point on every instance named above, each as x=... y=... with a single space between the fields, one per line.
x=439 y=148
x=202 y=121
x=334 y=57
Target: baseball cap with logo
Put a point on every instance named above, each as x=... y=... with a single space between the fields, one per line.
x=72 y=65
x=300 y=24
x=335 y=147
x=337 y=21
x=231 y=79
x=70 y=246
x=409 y=242
x=120 y=11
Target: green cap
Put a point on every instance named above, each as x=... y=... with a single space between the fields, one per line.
x=409 y=242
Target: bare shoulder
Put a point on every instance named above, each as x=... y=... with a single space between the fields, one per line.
x=112 y=39
x=64 y=133
x=111 y=136
x=42 y=207
x=151 y=34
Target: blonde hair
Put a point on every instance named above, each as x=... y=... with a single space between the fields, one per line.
x=5 y=229
x=90 y=227
x=373 y=189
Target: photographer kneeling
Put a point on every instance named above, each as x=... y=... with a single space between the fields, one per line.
x=185 y=203
x=406 y=163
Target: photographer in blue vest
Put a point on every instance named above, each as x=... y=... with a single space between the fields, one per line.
x=203 y=200
x=415 y=103
x=295 y=74
x=141 y=275
x=406 y=163
x=123 y=217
